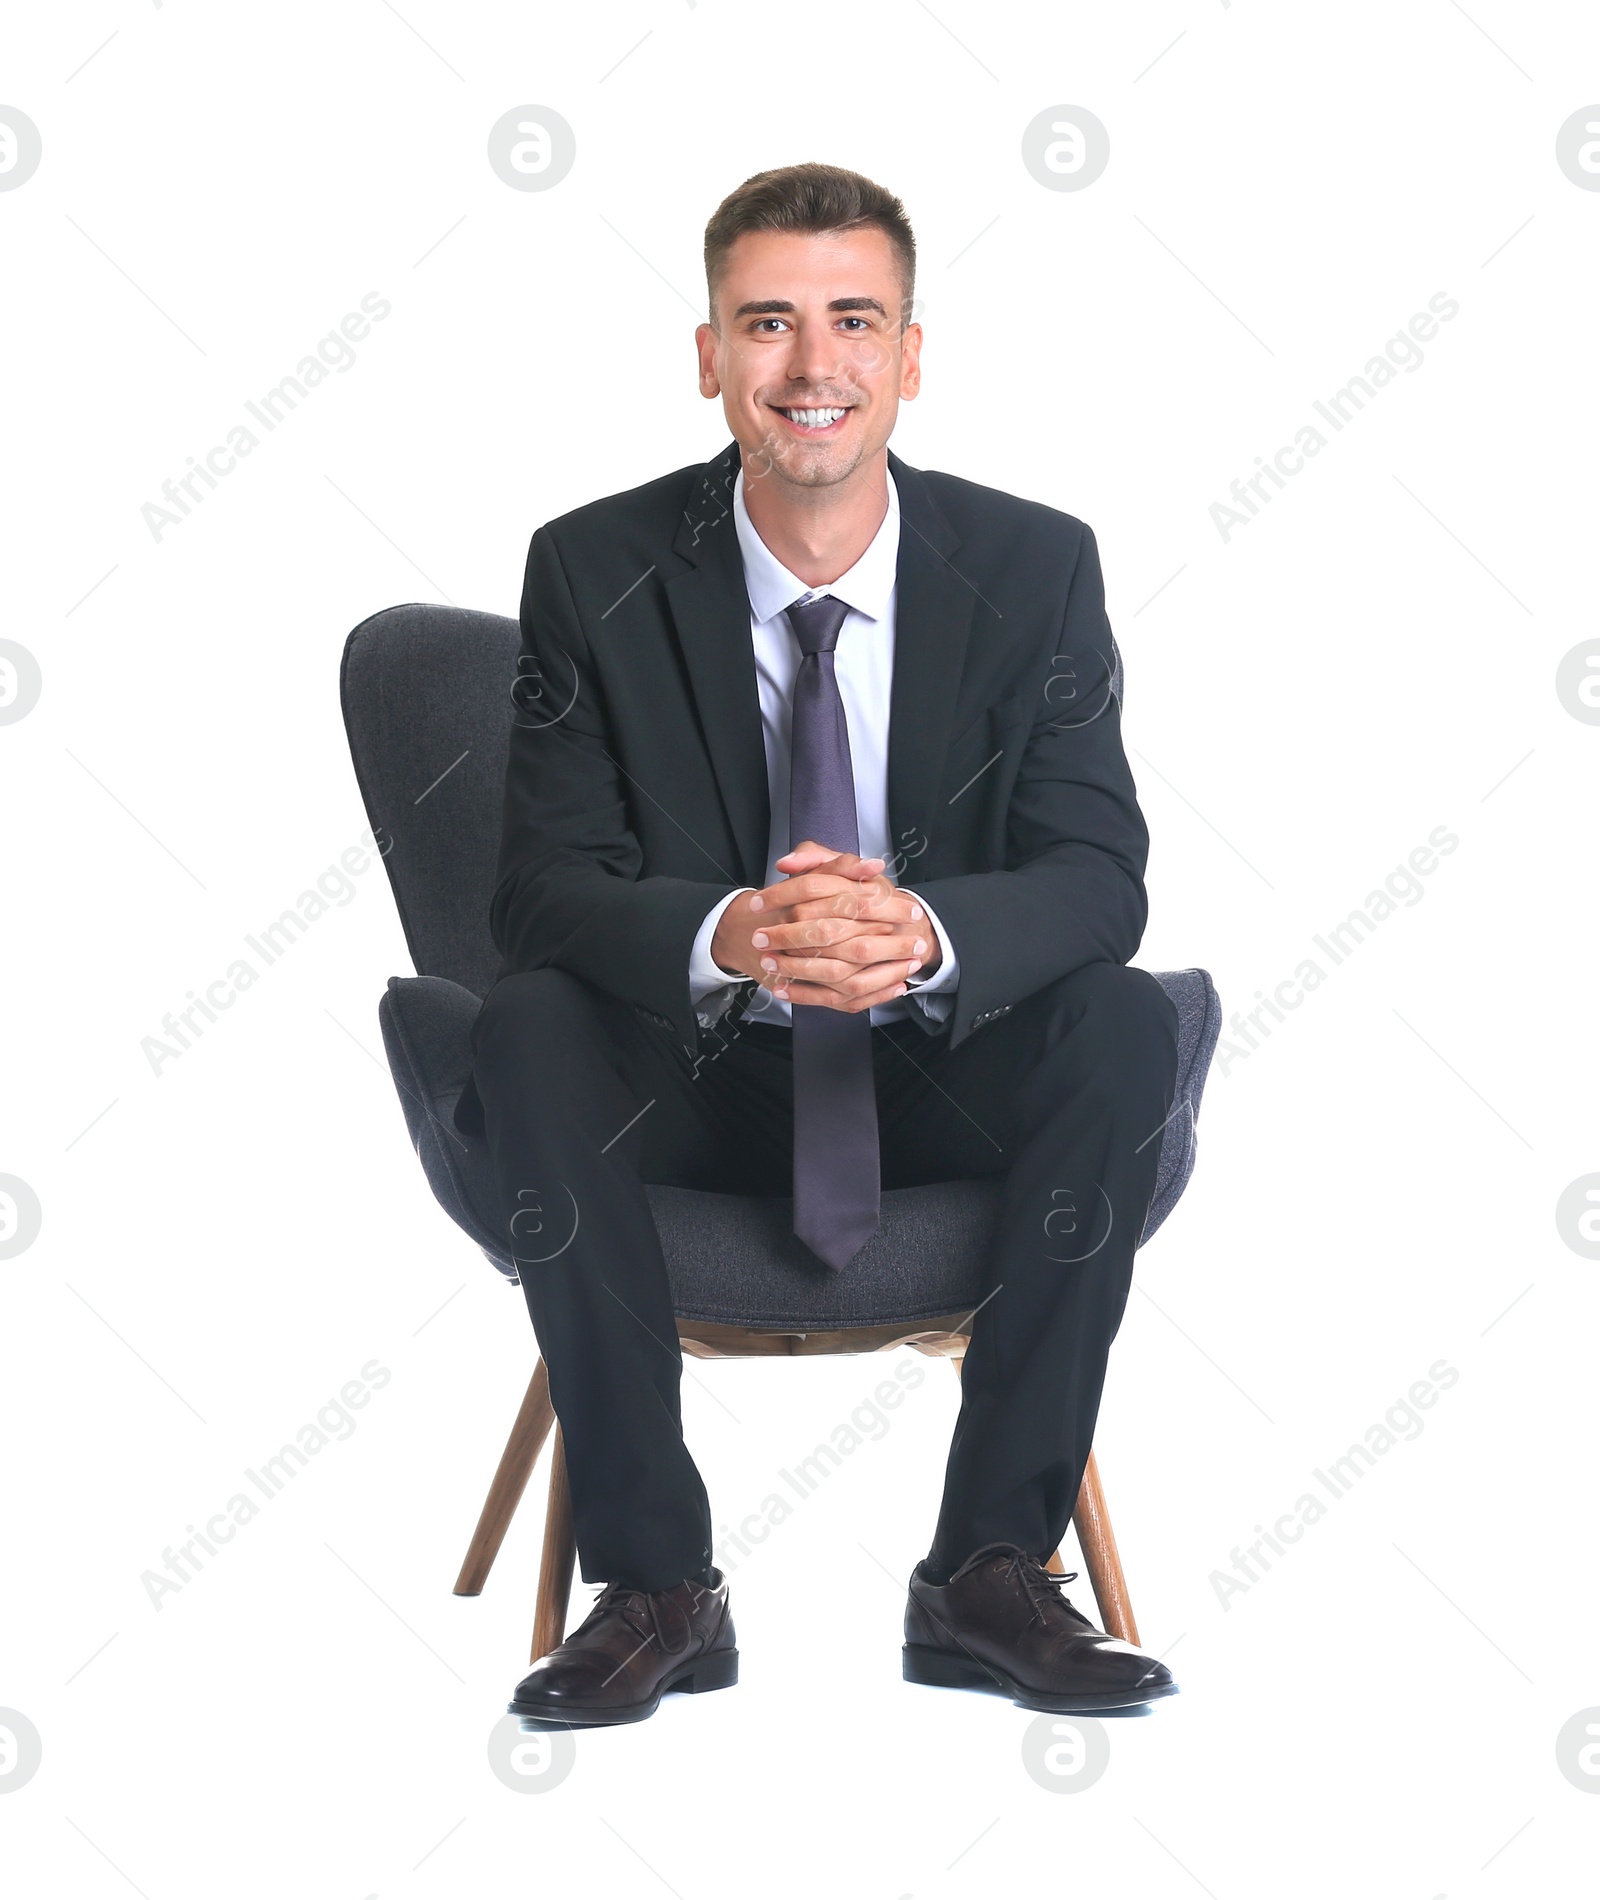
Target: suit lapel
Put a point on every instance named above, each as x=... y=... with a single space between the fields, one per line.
x=711 y=612
x=933 y=619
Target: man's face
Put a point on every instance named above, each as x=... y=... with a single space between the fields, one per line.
x=809 y=323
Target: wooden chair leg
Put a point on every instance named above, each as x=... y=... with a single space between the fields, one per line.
x=528 y=1434
x=555 y=1565
x=1092 y=1521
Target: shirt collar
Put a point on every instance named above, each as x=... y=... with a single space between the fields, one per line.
x=867 y=587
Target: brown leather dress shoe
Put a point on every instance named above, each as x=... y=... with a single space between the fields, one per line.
x=631 y=1648
x=1001 y=1623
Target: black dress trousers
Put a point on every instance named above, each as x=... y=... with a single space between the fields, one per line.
x=583 y=1100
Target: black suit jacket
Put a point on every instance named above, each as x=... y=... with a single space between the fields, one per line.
x=636 y=789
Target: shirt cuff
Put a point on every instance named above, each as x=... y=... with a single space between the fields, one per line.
x=944 y=980
x=707 y=977
x=934 y=997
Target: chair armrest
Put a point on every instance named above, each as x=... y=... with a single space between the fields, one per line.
x=1199 y=1008
x=427 y=1029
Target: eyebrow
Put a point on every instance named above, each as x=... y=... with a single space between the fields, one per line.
x=777 y=307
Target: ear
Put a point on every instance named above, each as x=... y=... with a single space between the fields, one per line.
x=911 y=362
x=705 y=341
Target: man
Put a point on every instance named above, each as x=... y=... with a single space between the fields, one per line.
x=820 y=872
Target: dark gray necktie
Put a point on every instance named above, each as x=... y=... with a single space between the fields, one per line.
x=836 y=1178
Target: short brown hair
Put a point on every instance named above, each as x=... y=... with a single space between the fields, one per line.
x=806 y=198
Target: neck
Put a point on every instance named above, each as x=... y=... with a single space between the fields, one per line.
x=820 y=532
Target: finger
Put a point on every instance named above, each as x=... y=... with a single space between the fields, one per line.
x=846 y=989
x=819 y=933
x=833 y=961
x=849 y=977
x=812 y=970
x=792 y=890
x=899 y=907
x=852 y=895
x=841 y=971
x=842 y=873
x=810 y=855
x=808 y=886
x=821 y=996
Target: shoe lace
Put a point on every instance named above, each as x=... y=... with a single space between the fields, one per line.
x=641 y=1611
x=1043 y=1586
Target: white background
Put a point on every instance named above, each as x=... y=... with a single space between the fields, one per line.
x=226 y=1244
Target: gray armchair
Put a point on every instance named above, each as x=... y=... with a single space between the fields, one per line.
x=426 y=698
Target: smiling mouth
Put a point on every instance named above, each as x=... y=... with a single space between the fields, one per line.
x=823 y=421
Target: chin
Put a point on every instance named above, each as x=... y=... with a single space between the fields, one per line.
x=807 y=468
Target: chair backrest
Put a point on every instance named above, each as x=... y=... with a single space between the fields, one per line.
x=427 y=707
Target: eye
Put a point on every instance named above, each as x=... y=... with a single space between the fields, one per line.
x=861 y=320
x=763 y=320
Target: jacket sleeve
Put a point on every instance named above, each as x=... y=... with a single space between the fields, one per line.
x=568 y=893
x=1071 y=891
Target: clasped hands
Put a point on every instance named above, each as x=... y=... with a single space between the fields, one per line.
x=833 y=932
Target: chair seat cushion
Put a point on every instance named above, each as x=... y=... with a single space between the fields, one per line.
x=733 y=1258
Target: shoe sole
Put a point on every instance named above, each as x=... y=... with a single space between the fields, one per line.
x=937 y=1669
x=719 y=1671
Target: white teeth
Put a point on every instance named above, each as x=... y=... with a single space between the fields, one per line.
x=814 y=418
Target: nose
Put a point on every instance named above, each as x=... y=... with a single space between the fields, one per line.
x=818 y=359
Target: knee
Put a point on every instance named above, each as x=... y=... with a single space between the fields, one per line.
x=1120 y=987
x=525 y=1012
x=1127 y=1007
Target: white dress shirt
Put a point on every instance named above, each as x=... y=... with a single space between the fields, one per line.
x=864 y=668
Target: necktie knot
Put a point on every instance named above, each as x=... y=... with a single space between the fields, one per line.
x=816 y=622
